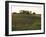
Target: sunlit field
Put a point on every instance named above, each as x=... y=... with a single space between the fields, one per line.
x=26 y=22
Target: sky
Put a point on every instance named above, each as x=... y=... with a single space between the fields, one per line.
x=36 y=9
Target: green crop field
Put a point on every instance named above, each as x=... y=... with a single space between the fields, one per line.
x=26 y=22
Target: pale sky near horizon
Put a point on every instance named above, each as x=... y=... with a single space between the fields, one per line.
x=36 y=9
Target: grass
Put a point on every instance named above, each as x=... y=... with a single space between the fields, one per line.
x=26 y=22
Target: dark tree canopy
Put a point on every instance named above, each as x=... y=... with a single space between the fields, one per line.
x=14 y=12
x=24 y=12
x=34 y=13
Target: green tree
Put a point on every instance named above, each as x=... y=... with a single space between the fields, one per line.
x=34 y=13
x=24 y=12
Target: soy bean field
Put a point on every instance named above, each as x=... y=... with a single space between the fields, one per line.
x=26 y=22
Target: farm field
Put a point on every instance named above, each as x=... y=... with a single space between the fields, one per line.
x=26 y=22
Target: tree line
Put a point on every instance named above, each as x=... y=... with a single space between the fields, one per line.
x=24 y=12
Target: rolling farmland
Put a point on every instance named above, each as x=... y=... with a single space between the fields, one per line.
x=26 y=22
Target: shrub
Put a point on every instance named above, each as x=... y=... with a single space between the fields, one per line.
x=34 y=13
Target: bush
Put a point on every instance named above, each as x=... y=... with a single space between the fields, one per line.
x=34 y=13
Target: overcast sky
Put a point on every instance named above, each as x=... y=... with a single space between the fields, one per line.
x=36 y=9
